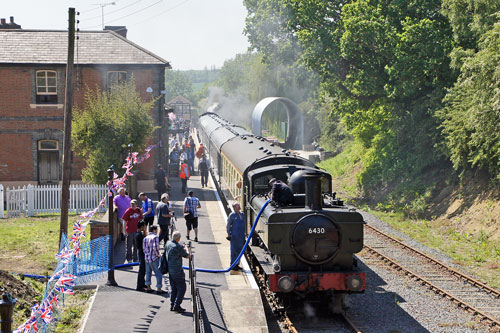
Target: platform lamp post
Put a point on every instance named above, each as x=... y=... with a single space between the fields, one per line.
x=7 y=304
x=111 y=230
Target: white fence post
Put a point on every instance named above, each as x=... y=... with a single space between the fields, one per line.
x=31 y=200
x=1 y=201
x=36 y=199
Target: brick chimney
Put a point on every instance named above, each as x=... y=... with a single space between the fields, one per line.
x=119 y=29
x=10 y=25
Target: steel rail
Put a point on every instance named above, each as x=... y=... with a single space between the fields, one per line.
x=455 y=272
x=433 y=287
x=353 y=327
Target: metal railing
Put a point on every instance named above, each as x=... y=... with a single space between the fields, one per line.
x=195 y=294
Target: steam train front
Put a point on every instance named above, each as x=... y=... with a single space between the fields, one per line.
x=307 y=249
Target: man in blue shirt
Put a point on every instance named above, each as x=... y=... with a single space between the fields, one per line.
x=175 y=253
x=148 y=211
x=236 y=232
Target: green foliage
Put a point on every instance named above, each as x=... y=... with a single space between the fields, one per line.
x=107 y=123
x=343 y=164
x=471 y=118
x=177 y=83
x=385 y=67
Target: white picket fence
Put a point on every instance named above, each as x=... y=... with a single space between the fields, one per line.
x=31 y=200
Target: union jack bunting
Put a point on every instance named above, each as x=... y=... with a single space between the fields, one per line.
x=46 y=314
x=67 y=280
x=65 y=290
x=65 y=255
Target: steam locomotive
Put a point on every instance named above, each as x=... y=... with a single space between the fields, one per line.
x=304 y=250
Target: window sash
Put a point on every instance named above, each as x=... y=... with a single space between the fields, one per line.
x=46 y=83
x=116 y=77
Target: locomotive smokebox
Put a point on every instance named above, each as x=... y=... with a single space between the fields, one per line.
x=314 y=198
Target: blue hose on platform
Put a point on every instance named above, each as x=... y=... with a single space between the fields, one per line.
x=206 y=270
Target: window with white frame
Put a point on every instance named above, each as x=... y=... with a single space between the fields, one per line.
x=46 y=87
x=48 y=145
x=116 y=77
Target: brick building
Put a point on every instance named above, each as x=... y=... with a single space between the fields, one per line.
x=32 y=84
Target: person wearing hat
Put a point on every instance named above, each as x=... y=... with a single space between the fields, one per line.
x=280 y=192
x=235 y=228
x=191 y=205
x=148 y=210
x=131 y=217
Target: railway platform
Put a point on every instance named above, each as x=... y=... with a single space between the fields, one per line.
x=231 y=302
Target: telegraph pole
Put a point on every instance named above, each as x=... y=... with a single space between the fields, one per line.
x=68 y=107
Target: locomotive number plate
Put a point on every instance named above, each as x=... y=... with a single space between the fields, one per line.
x=316 y=230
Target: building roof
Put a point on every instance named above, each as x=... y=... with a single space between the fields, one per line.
x=21 y=46
x=179 y=100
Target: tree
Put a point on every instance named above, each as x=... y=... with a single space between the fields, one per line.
x=177 y=83
x=385 y=66
x=471 y=117
x=107 y=123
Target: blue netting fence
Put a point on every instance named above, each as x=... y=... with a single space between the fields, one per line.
x=78 y=261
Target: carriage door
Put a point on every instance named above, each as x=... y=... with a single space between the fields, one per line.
x=48 y=162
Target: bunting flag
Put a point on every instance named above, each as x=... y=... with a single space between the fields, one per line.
x=65 y=255
x=66 y=282
x=46 y=314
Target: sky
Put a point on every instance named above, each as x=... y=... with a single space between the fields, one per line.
x=190 y=34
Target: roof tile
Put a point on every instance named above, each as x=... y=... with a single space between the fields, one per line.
x=50 y=46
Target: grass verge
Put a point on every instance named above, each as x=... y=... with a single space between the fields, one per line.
x=29 y=244
x=476 y=253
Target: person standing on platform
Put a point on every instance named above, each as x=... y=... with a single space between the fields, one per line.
x=184 y=175
x=190 y=157
x=151 y=246
x=174 y=156
x=138 y=239
x=132 y=217
x=121 y=203
x=236 y=232
x=148 y=210
x=175 y=253
x=203 y=170
x=201 y=151
x=165 y=213
x=161 y=181
x=191 y=205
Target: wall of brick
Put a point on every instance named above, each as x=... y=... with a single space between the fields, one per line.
x=22 y=123
x=15 y=156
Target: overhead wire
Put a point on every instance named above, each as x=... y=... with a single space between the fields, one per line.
x=93 y=9
x=154 y=16
x=114 y=11
x=137 y=11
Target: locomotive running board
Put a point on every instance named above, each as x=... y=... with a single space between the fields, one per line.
x=262 y=257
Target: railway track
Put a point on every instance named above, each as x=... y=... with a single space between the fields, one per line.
x=289 y=323
x=465 y=291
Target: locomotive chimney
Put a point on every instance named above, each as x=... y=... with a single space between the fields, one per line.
x=314 y=199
